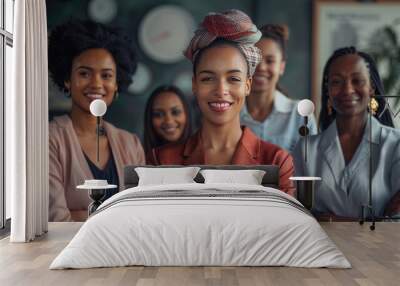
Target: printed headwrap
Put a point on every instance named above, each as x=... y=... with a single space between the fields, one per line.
x=233 y=25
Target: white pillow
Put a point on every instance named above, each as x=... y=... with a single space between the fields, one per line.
x=248 y=177
x=163 y=176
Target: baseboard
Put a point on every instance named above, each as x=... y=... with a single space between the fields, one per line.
x=5 y=231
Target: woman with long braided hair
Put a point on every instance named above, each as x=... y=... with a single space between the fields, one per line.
x=351 y=88
x=327 y=114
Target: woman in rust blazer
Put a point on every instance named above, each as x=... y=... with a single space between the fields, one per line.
x=224 y=59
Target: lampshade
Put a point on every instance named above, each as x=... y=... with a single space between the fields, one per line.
x=305 y=107
x=98 y=107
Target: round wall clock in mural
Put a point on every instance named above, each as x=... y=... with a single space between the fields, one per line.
x=102 y=11
x=183 y=80
x=140 y=80
x=165 y=32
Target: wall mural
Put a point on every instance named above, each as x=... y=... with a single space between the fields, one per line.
x=158 y=47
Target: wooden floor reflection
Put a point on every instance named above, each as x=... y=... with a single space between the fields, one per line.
x=374 y=255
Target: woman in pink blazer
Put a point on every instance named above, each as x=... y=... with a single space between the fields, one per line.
x=89 y=61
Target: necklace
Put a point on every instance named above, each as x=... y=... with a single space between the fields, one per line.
x=102 y=131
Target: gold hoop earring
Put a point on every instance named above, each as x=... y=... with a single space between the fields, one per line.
x=329 y=108
x=373 y=106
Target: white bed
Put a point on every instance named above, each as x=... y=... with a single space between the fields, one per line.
x=201 y=224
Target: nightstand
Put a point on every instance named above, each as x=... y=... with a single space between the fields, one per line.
x=305 y=190
x=97 y=190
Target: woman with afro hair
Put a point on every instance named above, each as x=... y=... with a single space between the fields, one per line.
x=88 y=61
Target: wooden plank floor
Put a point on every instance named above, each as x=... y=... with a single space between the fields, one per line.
x=374 y=255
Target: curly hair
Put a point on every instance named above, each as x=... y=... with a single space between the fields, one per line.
x=70 y=39
x=151 y=139
x=382 y=114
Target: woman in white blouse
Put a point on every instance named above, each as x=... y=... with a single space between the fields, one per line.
x=351 y=88
x=268 y=111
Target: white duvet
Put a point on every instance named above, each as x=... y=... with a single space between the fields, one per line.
x=138 y=227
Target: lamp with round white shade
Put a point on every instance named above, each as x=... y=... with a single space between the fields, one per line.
x=98 y=108
x=305 y=185
x=97 y=189
x=305 y=108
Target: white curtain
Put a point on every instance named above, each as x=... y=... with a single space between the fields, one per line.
x=27 y=124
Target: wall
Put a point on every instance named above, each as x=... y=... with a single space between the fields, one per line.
x=297 y=14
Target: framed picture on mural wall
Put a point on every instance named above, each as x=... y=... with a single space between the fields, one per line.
x=373 y=27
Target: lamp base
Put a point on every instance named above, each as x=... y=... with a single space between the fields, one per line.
x=305 y=190
x=370 y=209
x=97 y=196
x=305 y=193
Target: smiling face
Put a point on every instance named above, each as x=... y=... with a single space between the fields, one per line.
x=270 y=68
x=168 y=116
x=221 y=84
x=93 y=76
x=349 y=85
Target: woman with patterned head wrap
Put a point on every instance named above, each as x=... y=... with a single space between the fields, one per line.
x=224 y=59
x=268 y=112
